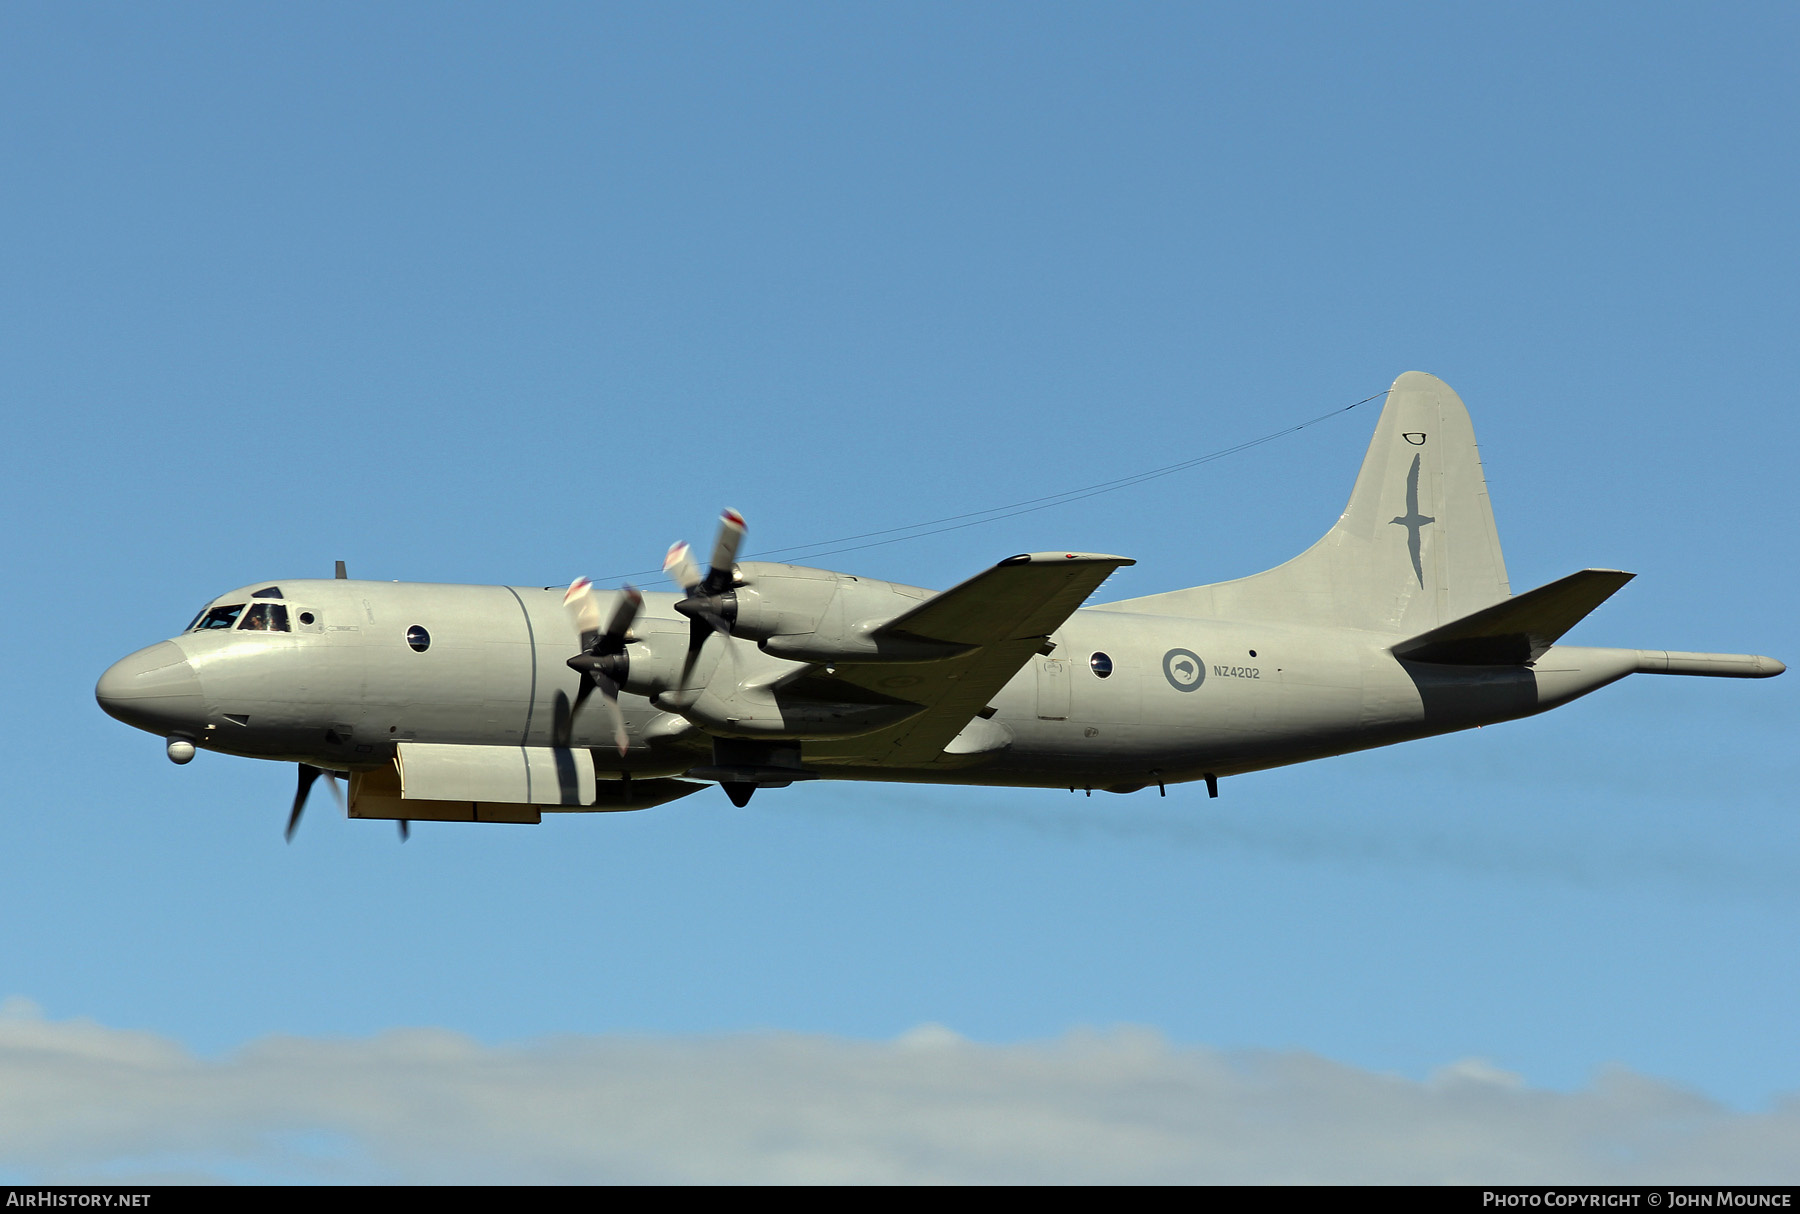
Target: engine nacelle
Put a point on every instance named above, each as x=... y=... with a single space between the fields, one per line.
x=818 y=615
x=794 y=614
x=652 y=662
x=743 y=712
x=860 y=646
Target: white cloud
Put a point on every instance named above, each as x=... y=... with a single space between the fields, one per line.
x=79 y=1101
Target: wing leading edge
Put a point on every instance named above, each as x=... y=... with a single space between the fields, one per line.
x=1003 y=615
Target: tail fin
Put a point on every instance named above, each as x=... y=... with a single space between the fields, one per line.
x=1415 y=549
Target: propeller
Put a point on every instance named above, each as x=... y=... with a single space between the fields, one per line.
x=710 y=602
x=309 y=773
x=602 y=661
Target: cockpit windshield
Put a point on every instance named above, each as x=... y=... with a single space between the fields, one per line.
x=219 y=617
x=266 y=617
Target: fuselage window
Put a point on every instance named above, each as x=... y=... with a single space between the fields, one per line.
x=1101 y=665
x=220 y=617
x=267 y=592
x=266 y=617
x=418 y=638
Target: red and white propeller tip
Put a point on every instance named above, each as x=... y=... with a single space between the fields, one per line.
x=731 y=534
x=680 y=568
x=582 y=605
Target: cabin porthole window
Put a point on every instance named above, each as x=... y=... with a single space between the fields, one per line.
x=1101 y=665
x=306 y=617
x=418 y=638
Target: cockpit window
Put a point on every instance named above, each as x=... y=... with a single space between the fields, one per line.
x=268 y=592
x=265 y=617
x=219 y=617
x=195 y=620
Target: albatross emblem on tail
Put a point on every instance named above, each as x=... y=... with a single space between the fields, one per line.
x=1412 y=520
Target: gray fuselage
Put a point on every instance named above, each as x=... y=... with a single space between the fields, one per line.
x=1183 y=697
x=1398 y=623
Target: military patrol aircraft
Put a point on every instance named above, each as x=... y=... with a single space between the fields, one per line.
x=473 y=703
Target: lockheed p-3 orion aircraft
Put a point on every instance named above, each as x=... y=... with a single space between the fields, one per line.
x=475 y=703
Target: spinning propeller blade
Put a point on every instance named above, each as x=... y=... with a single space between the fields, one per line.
x=309 y=773
x=709 y=602
x=724 y=553
x=602 y=662
x=680 y=568
x=583 y=607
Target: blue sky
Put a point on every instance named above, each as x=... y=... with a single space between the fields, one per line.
x=502 y=294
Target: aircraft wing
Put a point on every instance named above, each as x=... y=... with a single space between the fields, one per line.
x=1002 y=615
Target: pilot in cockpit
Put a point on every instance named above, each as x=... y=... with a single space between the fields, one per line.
x=266 y=617
x=261 y=617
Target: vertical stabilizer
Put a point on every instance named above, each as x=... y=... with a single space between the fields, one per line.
x=1415 y=548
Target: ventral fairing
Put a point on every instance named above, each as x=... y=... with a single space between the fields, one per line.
x=477 y=703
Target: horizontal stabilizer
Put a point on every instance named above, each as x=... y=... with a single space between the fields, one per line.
x=1516 y=631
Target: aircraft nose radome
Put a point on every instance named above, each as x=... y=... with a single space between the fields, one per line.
x=154 y=689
